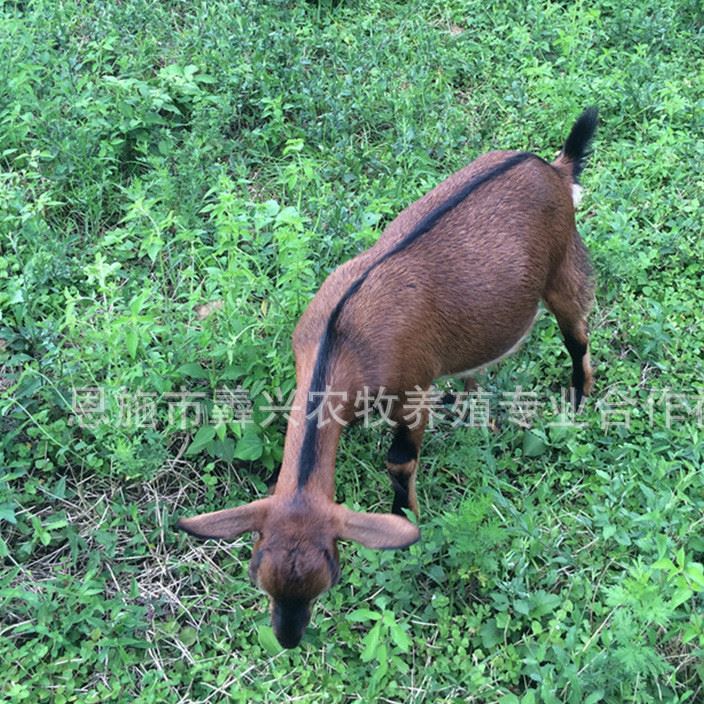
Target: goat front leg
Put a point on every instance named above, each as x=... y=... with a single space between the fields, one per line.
x=402 y=463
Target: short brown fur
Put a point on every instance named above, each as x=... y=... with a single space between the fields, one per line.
x=457 y=298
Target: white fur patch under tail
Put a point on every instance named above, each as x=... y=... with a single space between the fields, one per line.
x=576 y=194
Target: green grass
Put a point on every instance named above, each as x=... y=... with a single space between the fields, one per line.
x=159 y=156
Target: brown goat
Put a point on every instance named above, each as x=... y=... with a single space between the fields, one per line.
x=453 y=283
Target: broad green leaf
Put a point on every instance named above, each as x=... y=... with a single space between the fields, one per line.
x=680 y=596
x=664 y=563
x=371 y=643
x=533 y=444
x=7 y=513
x=695 y=575
x=509 y=698
x=188 y=635
x=132 y=340
x=400 y=637
x=268 y=641
x=204 y=435
x=362 y=615
x=193 y=370
x=249 y=446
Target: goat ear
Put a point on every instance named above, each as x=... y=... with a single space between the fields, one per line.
x=376 y=530
x=228 y=523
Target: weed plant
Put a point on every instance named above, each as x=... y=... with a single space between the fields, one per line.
x=176 y=180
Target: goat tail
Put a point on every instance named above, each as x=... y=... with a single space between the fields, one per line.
x=574 y=154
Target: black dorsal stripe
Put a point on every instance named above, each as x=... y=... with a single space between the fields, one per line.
x=327 y=342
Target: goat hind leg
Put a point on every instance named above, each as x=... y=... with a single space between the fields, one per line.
x=570 y=298
x=576 y=340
